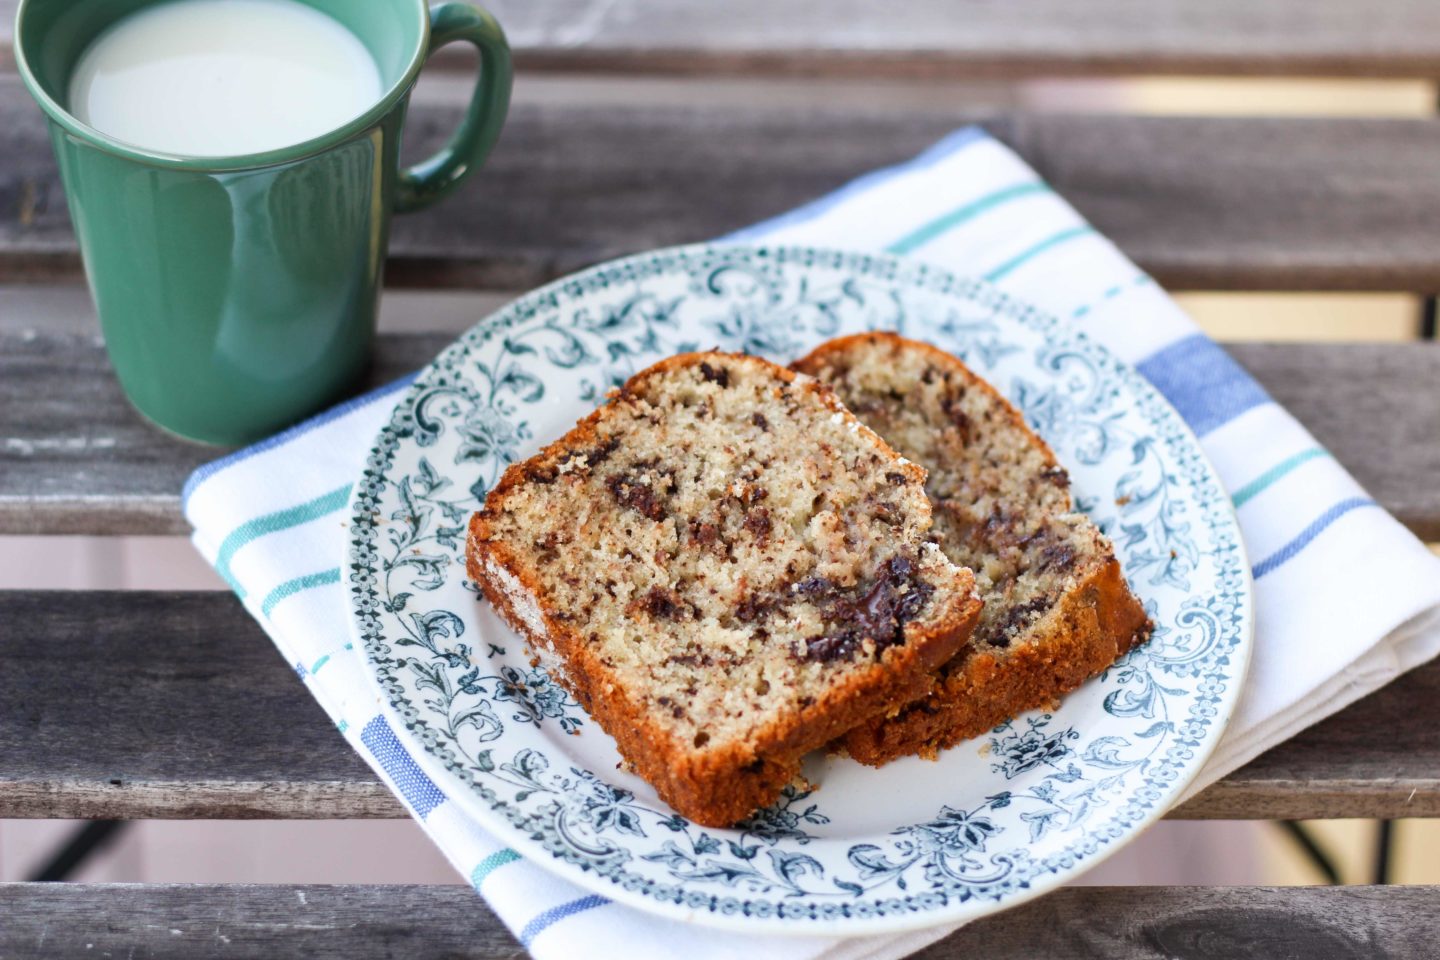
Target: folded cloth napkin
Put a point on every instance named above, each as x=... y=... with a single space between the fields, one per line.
x=271 y=520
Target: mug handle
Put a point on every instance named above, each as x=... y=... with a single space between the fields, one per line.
x=434 y=178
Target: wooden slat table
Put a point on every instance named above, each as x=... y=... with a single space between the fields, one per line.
x=230 y=732
x=450 y=923
x=968 y=38
x=202 y=720
x=76 y=459
x=1215 y=204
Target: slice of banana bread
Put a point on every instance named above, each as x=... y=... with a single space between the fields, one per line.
x=1057 y=608
x=729 y=571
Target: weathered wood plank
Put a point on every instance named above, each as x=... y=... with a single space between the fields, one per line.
x=188 y=922
x=1201 y=203
x=175 y=705
x=183 y=922
x=74 y=457
x=967 y=38
x=172 y=702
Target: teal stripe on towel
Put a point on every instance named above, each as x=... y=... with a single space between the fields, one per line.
x=1050 y=242
x=270 y=523
x=490 y=864
x=1260 y=483
x=941 y=225
x=291 y=587
x=326 y=659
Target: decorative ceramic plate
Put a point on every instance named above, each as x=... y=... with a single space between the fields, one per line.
x=993 y=821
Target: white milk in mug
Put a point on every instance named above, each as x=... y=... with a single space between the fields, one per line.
x=223 y=78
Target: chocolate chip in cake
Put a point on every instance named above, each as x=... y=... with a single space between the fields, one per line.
x=1057 y=475
x=703 y=533
x=661 y=604
x=757 y=521
x=711 y=375
x=598 y=455
x=878 y=615
x=637 y=496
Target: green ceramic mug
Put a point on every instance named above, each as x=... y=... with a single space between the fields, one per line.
x=238 y=294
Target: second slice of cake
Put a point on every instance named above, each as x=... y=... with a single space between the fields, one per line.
x=728 y=570
x=1057 y=607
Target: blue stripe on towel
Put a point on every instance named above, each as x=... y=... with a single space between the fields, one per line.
x=1286 y=553
x=555 y=914
x=1205 y=385
x=417 y=789
x=208 y=470
x=953 y=143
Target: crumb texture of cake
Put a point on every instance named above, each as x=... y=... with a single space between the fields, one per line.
x=733 y=572
x=1057 y=607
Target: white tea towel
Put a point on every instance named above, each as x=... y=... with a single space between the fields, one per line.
x=271 y=519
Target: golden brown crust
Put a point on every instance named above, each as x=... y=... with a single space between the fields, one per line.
x=721 y=785
x=1096 y=621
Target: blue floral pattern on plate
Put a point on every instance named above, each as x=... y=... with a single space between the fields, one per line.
x=914 y=844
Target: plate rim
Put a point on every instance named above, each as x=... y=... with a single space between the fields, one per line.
x=914 y=273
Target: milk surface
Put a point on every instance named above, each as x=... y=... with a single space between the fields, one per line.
x=214 y=78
